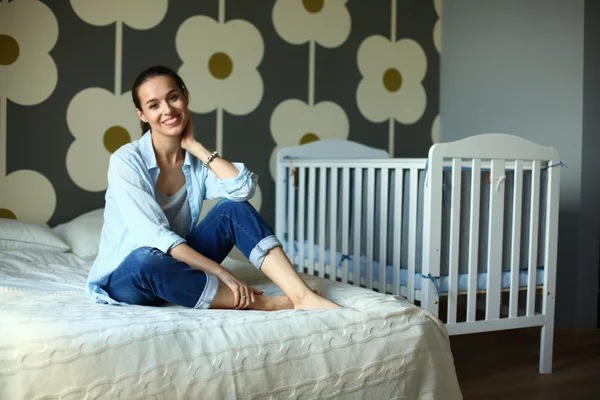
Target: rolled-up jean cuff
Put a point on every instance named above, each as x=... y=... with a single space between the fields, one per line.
x=209 y=293
x=258 y=253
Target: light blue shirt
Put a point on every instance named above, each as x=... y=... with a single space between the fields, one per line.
x=132 y=216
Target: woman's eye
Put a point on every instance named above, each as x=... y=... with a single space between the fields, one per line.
x=152 y=106
x=174 y=97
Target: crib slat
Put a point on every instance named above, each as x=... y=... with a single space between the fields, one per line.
x=550 y=252
x=301 y=218
x=474 y=239
x=370 y=225
x=533 y=236
x=516 y=240
x=432 y=230
x=358 y=172
x=311 y=219
x=383 y=219
x=412 y=228
x=290 y=217
x=454 y=239
x=345 y=221
x=322 y=219
x=333 y=228
x=495 y=237
x=398 y=197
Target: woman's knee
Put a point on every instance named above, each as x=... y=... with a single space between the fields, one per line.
x=231 y=207
x=147 y=260
x=132 y=282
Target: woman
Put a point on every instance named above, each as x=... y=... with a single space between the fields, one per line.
x=152 y=249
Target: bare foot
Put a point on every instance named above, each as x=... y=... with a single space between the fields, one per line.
x=315 y=302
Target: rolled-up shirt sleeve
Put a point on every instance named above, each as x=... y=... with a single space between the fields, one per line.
x=239 y=188
x=141 y=213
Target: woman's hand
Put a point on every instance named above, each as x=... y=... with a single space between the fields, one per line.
x=187 y=136
x=243 y=295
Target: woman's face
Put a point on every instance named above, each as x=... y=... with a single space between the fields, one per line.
x=164 y=106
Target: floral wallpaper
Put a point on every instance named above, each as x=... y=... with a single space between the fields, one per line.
x=262 y=75
x=28 y=76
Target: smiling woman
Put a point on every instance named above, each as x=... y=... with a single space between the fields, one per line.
x=154 y=249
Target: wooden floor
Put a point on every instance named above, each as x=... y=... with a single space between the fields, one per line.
x=504 y=365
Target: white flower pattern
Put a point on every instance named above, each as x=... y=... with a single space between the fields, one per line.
x=437 y=28
x=28 y=74
x=138 y=14
x=27 y=196
x=294 y=122
x=392 y=80
x=435 y=130
x=326 y=22
x=97 y=137
x=220 y=64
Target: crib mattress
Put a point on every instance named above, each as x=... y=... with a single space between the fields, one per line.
x=54 y=342
x=441 y=283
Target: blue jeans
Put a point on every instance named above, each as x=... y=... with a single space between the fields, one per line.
x=150 y=277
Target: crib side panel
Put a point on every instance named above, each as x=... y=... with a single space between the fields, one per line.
x=356 y=221
x=498 y=211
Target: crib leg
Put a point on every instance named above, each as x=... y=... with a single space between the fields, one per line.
x=546 y=344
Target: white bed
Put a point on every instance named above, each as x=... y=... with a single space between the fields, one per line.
x=56 y=344
x=469 y=233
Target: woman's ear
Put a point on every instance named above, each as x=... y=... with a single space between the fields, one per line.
x=141 y=115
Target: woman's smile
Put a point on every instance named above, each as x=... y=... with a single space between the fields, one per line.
x=172 y=121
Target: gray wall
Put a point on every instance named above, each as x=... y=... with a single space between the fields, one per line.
x=518 y=67
x=589 y=239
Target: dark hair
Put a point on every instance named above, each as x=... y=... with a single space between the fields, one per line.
x=152 y=72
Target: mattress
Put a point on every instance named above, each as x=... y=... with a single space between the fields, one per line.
x=442 y=281
x=56 y=343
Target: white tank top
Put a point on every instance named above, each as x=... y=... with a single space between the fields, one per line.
x=177 y=210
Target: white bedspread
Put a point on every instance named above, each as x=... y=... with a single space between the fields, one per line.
x=56 y=343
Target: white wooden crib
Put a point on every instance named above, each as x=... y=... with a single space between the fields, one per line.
x=469 y=234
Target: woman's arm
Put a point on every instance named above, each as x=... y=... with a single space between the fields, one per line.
x=222 y=179
x=221 y=167
x=183 y=252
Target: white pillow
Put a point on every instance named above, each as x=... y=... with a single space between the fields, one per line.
x=83 y=233
x=20 y=235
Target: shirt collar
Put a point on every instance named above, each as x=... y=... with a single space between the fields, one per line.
x=188 y=159
x=149 y=156
x=147 y=150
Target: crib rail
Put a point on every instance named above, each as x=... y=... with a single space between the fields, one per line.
x=334 y=211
